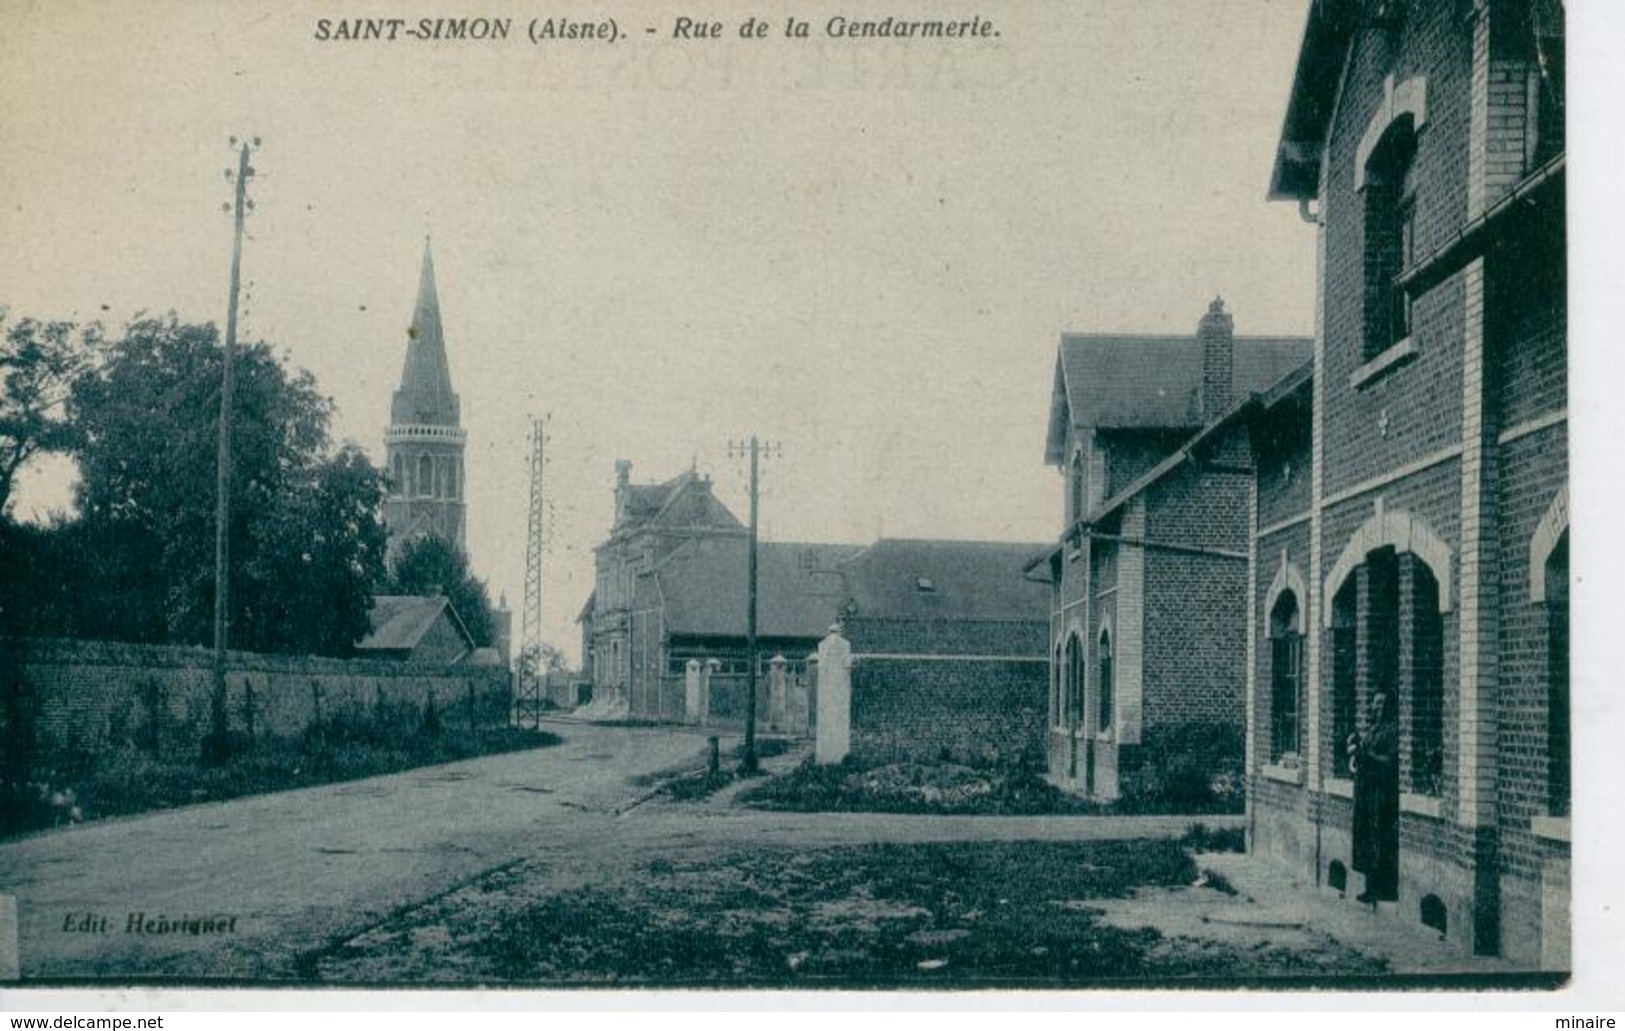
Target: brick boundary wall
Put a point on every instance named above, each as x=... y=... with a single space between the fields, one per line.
x=961 y=709
x=85 y=695
x=966 y=690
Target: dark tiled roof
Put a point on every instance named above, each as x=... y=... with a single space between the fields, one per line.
x=799 y=587
x=1321 y=56
x=1294 y=384
x=684 y=500
x=946 y=580
x=399 y=621
x=1125 y=381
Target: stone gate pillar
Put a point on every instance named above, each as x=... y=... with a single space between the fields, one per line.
x=834 y=739
x=707 y=672
x=798 y=705
x=691 y=691
x=777 y=688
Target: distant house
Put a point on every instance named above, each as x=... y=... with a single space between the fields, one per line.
x=619 y=655
x=417 y=629
x=694 y=604
x=949 y=650
x=1147 y=639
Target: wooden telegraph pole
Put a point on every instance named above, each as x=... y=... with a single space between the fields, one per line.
x=217 y=746
x=755 y=447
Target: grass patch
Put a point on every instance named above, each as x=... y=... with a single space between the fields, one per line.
x=766 y=748
x=913 y=787
x=1218 y=882
x=691 y=785
x=1191 y=770
x=962 y=914
x=129 y=779
x=1200 y=838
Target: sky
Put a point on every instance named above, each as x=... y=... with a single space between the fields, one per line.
x=865 y=251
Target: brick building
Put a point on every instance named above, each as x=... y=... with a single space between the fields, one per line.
x=949 y=642
x=1145 y=639
x=670 y=587
x=691 y=606
x=1411 y=517
x=651 y=521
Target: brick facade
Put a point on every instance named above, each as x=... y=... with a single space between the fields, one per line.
x=624 y=630
x=1435 y=460
x=1151 y=564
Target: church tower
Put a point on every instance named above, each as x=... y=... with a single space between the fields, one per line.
x=423 y=447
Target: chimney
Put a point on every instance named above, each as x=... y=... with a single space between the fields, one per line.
x=1216 y=335
x=623 y=480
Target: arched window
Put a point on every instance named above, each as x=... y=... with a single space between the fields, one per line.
x=1056 y=700
x=1345 y=669
x=1557 y=679
x=1074 y=681
x=1390 y=239
x=398 y=484
x=1075 y=500
x=1380 y=611
x=1286 y=677
x=454 y=485
x=1425 y=682
x=425 y=476
x=1108 y=704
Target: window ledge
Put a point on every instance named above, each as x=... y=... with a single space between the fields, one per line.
x=1421 y=805
x=1284 y=774
x=1106 y=735
x=1339 y=787
x=1552 y=828
x=1395 y=356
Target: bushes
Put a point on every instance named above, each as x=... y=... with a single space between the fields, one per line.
x=854 y=785
x=128 y=778
x=1201 y=838
x=1193 y=768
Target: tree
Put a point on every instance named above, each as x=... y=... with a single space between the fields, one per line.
x=539 y=660
x=305 y=538
x=322 y=549
x=38 y=578
x=432 y=565
x=39 y=364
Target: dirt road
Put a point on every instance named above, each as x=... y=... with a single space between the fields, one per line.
x=254 y=883
x=255 y=889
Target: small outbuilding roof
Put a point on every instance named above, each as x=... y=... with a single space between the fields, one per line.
x=400 y=621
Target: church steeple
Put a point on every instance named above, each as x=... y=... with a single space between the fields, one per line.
x=425 y=397
x=423 y=447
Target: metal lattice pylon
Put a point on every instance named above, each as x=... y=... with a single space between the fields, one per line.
x=529 y=701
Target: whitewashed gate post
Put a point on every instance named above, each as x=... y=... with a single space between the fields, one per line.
x=834 y=739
